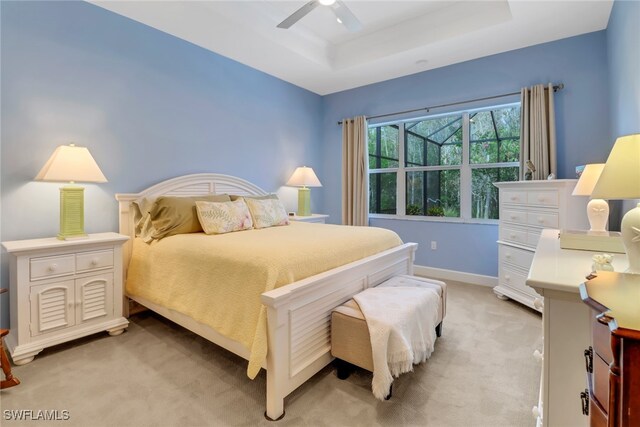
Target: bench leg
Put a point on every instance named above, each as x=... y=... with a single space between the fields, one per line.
x=439 y=330
x=343 y=368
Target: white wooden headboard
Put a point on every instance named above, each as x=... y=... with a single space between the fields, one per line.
x=188 y=185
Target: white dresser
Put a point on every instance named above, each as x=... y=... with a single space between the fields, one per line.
x=527 y=207
x=566 y=327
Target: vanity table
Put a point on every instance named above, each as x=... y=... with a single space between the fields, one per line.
x=556 y=274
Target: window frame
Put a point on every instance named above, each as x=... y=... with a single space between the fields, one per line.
x=466 y=168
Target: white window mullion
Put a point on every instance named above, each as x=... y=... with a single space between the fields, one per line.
x=465 y=171
x=401 y=194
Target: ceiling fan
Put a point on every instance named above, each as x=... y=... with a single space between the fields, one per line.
x=343 y=14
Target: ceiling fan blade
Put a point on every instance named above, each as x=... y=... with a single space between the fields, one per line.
x=347 y=17
x=298 y=14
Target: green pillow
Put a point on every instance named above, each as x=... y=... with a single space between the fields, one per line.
x=235 y=197
x=178 y=215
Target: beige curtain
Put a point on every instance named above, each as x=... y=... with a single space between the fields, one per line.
x=355 y=176
x=538 y=132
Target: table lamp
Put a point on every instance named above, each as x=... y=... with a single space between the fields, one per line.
x=304 y=177
x=597 y=209
x=620 y=179
x=70 y=163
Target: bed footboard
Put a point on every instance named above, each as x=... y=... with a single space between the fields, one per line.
x=299 y=318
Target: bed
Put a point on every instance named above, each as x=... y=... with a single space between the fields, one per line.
x=293 y=311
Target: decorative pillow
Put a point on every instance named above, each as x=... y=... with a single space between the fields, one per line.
x=141 y=218
x=177 y=215
x=235 y=197
x=267 y=212
x=224 y=217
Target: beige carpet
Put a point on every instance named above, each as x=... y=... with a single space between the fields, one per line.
x=158 y=374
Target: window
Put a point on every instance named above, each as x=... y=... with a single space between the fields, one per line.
x=444 y=166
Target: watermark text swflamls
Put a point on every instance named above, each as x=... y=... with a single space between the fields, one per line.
x=36 y=415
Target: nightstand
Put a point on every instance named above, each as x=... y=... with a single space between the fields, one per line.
x=61 y=290
x=321 y=218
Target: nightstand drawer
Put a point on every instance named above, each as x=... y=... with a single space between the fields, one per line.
x=42 y=268
x=94 y=260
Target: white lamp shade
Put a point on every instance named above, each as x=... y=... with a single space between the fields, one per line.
x=71 y=163
x=620 y=178
x=304 y=177
x=588 y=179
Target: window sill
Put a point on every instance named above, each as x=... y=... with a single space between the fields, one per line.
x=434 y=219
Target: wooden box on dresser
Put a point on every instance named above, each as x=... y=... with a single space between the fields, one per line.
x=63 y=289
x=613 y=359
x=526 y=208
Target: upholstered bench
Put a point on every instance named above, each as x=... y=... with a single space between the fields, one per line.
x=350 y=341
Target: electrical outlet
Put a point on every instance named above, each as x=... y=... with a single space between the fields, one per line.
x=434 y=245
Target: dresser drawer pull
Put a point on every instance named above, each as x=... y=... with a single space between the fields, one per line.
x=541 y=198
x=94 y=262
x=538 y=304
x=588 y=360
x=507 y=255
x=52 y=268
x=584 y=397
x=514 y=198
x=538 y=355
x=540 y=220
x=507 y=278
x=536 y=412
x=512 y=235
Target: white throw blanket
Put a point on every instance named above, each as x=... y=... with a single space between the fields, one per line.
x=401 y=322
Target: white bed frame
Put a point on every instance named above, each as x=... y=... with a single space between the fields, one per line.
x=298 y=314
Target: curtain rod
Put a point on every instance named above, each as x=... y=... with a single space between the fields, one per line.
x=427 y=109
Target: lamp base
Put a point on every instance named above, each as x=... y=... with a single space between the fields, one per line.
x=598 y=214
x=71 y=213
x=304 y=202
x=630 y=228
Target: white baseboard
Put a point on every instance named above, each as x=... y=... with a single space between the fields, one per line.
x=460 y=276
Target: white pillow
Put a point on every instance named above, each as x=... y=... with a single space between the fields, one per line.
x=224 y=217
x=267 y=212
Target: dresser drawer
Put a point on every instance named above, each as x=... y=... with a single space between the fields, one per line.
x=543 y=219
x=543 y=198
x=516 y=280
x=597 y=417
x=533 y=237
x=601 y=339
x=601 y=381
x=513 y=235
x=515 y=256
x=515 y=197
x=515 y=216
x=54 y=266
x=87 y=261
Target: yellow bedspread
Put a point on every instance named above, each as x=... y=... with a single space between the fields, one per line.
x=217 y=280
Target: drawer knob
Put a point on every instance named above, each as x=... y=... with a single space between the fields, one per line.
x=537 y=303
x=538 y=355
x=512 y=235
x=507 y=278
x=514 y=198
x=540 y=220
x=94 y=262
x=507 y=255
x=536 y=412
x=52 y=268
x=541 y=198
x=514 y=216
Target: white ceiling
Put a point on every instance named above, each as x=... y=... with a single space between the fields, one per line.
x=398 y=37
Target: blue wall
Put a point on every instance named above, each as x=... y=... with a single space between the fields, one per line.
x=148 y=105
x=582 y=118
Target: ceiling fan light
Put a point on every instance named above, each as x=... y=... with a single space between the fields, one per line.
x=326 y=2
